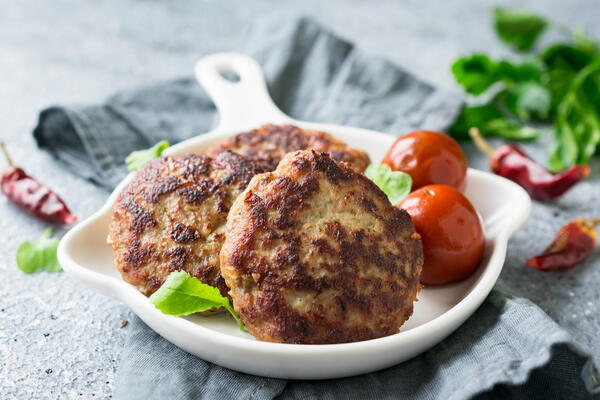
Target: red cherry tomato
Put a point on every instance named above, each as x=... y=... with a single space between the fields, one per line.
x=450 y=230
x=429 y=158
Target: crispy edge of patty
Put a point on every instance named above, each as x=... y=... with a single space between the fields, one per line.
x=270 y=143
x=153 y=230
x=263 y=257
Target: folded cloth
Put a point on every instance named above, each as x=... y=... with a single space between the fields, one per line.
x=509 y=348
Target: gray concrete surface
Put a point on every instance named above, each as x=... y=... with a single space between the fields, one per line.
x=59 y=339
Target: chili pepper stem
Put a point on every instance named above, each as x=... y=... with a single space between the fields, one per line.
x=5 y=153
x=595 y=221
x=481 y=143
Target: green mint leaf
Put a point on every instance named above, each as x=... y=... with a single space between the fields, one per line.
x=475 y=73
x=395 y=184
x=473 y=117
x=517 y=28
x=139 y=158
x=39 y=254
x=529 y=99
x=183 y=294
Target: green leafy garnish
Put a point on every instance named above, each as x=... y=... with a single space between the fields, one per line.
x=578 y=121
x=182 y=294
x=559 y=84
x=39 y=254
x=518 y=28
x=529 y=99
x=395 y=184
x=530 y=69
x=476 y=73
x=139 y=158
x=510 y=129
x=490 y=122
x=473 y=116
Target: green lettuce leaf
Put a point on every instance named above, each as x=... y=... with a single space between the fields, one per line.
x=395 y=184
x=183 y=294
x=39 y=254
x=139 y=158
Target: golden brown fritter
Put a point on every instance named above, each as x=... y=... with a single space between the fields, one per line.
x=315 y=253
x=172 y=217
x=270 y=143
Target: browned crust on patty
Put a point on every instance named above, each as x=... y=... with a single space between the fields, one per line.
x=171 y=217
x=269 y=143
x=315 y=253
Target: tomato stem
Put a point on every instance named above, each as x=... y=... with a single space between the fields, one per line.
x=595 y=221
x=5 y=153
x=481 y=143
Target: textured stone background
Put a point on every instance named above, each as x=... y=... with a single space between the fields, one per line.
x=59 y=339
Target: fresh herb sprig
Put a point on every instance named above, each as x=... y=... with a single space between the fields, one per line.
x=182 y=294
x=559 y=84
x=139 y=158
x=395 y=184
x=39 y=254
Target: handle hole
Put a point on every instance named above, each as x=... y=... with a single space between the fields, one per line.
x=229 y=75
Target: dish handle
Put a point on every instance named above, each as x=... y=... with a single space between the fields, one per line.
x=241 y=103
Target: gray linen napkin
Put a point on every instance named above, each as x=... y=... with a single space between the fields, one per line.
x=493 y=355
x=509 y=348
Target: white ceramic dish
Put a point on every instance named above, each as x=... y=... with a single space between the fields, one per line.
x=245 y=104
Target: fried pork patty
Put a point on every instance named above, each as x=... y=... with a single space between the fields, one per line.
x=315 y=253
x=172 y=217
x=270 y=143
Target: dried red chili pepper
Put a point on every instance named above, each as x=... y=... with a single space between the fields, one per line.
x=511 y=162
x=573 y=243
x=31 y=195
